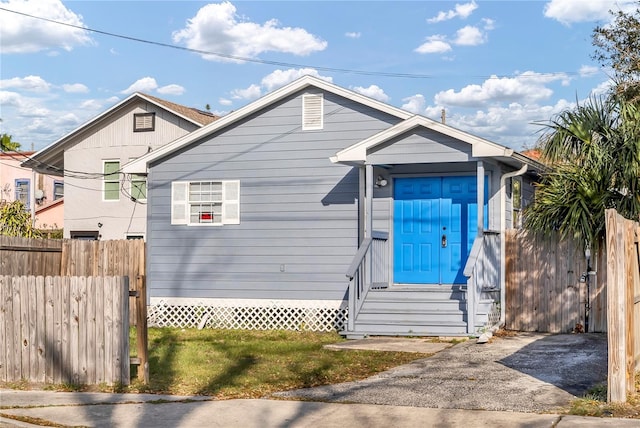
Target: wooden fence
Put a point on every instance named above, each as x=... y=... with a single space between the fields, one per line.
x=72 y=257
x=547 y=285
x=623 y=304
x=64 y=329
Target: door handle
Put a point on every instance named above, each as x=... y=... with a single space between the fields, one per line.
x=444 y=241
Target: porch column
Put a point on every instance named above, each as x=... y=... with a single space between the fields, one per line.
x=471 y=284
x=480 y=178
x=368 y=201
x=361 y=204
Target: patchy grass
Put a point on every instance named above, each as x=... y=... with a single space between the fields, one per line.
x=239 y=363
x=245 y=364
x=594 y=403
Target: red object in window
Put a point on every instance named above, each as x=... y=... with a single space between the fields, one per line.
x=206 y=216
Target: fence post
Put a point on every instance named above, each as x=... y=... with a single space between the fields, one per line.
x=616 y=320
x=141 y=329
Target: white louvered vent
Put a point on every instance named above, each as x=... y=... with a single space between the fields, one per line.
x=144 y=122
x=312 y=112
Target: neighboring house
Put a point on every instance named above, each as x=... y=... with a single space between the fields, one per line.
x=256 y=220
x=99 y=203
x=41 y=194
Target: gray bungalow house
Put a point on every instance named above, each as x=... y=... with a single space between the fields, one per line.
x=318 y=208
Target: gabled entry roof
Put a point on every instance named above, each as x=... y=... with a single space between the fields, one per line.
x=480 y=148
x=139 y=166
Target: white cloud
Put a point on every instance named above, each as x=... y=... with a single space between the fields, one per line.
x=75 y=88
x=414 y=104
x=218 y=28
x=91 y=105
x=21 y=34
x=353 y=34
x=489 y=24
x=469 y=36
x=250 y=93
x=373 y=91
x=434 y=44
x=172 y=89
x=9 y=99
x=279 y=78
x=572 y=11
x=146 y=84
x=462 y=11
x=526 y=87
x=28 y=83
x=588 y=70
x=225 y=102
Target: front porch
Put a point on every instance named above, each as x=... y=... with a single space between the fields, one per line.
x=379 y=309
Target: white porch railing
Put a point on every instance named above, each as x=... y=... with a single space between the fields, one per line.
x=369 y=269
x=483 y=273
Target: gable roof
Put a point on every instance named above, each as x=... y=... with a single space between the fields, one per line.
x=50 y=160
x=139 y=165
x=480 y=148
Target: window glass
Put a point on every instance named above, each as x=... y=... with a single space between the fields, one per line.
x=111 y=180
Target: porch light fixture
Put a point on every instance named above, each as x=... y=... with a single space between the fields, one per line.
x=381 y=181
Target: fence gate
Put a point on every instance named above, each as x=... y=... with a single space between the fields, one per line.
x=64 y=329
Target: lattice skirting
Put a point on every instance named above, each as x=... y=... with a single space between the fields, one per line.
x=493 y=318
x=249 y=314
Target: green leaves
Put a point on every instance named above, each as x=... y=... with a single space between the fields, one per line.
x=594 y=154
x=16 y=221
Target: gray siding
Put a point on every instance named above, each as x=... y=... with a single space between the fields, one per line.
x=298 y=211
x=421 y=146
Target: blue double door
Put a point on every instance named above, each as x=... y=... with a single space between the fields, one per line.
x=435 y=224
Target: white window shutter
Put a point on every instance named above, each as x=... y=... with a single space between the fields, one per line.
x=312 y=111
x=179 y=205
x=231 y=202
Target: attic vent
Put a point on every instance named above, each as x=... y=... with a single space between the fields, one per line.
x=144 y=122
x=312 y=112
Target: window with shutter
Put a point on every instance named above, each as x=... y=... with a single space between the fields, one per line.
x=144 y=122
x=212 y=203
x=312 y=112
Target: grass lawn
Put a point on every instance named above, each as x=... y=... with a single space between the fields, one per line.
x=595 y=404
x=243 y=364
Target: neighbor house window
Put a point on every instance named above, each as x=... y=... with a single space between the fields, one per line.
x=205 y=202
x=111 y=183
x=138 y=187
x=516 y=201
x=58 y=190
x=312 y=112
x=22 y=191
x=144 y=122
x=85 y=235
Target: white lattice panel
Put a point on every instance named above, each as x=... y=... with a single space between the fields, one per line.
x=493 y=318
x=252 y=317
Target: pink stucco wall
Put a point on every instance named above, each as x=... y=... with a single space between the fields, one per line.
x=48 y=210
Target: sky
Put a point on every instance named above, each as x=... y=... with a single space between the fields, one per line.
x=499 y=69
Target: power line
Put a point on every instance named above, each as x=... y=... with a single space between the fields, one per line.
x=262 y=61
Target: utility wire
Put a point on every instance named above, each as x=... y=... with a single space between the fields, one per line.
x=262 y=61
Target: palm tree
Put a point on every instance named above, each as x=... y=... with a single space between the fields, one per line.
x=7 y=144
x=593 y=151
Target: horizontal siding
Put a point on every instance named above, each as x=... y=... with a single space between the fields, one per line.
x=298 y=211
x=423 y=146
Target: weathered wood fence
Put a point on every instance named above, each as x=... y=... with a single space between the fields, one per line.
x=76 y=258
x=623 y=304
x=72 y=257
x=547 y=285
x=64 y=329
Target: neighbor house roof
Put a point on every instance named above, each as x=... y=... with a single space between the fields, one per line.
x=140 y=164
x=50 y=160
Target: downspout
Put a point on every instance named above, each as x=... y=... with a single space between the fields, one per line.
x=503 y=229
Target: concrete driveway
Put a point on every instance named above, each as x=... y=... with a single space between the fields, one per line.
x=523 y=373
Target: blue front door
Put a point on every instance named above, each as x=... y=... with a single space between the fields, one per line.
x=435 y=224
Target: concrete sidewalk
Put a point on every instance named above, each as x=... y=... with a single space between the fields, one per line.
x=147 y=410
